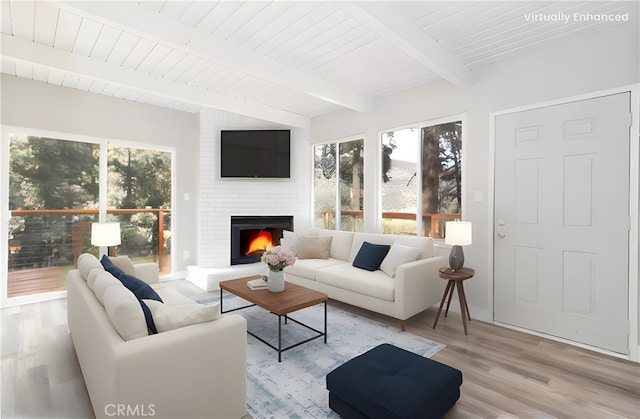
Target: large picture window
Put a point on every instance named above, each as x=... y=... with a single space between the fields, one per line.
x=54 y=196
x=421 y=178
x=339 y=185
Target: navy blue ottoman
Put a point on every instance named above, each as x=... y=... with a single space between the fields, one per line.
x=390 y=382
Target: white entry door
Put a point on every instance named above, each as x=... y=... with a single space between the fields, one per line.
x=562 y=220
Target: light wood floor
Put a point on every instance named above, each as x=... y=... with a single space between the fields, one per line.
x=505 y=373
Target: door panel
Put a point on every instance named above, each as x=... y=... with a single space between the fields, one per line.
x=562 y=220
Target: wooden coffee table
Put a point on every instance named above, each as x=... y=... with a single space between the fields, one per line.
x=293 y=298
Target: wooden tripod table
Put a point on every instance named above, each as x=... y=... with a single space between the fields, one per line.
x=455 y=279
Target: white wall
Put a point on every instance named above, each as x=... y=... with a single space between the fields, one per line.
x=219 y=199
x=42 y=106
x=606 y=59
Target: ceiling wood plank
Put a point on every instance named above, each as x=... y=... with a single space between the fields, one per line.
x=195 y=41
x=46 y=23
x=139 y=53
x=157 y=54
x=5 y=18
x=404 y=34
x=67 y=31
x=21 y=50
x=87 y=37
x=123 y=48
x=105 y=43
x=22 y=14
x=40 y=73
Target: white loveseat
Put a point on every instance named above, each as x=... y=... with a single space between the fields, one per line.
x=191 y=371
x=415 y=286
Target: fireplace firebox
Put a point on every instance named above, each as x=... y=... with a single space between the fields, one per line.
x=251 y=236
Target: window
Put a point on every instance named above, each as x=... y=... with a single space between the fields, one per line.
x=54 y=196
x=339 y=185
x=421 y=178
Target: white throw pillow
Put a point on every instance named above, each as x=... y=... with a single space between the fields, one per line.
x=104 y=281
x=123 y=262
x=168 y=317
x=86 y=262
x=292 y=241
x=398 y=254
x=125 y=313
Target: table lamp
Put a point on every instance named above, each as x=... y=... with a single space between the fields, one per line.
x=458 y=234
x=106 y=234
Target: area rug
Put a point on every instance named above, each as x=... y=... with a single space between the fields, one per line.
x=296 y=387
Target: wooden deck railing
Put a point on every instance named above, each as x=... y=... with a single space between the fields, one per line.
x=431 y=220
x=49 y=277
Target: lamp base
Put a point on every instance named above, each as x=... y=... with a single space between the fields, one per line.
x=456 y=258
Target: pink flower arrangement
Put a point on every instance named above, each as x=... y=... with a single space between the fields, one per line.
x=278 y=258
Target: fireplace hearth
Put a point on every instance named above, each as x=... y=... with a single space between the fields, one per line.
x=251 y=236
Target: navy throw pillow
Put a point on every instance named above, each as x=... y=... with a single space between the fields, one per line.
x=370 y=256
x=137 y=286
x=110 y=266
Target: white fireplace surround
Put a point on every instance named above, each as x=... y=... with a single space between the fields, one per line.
x=219 y=199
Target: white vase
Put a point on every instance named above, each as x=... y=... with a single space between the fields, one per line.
x=275 y=282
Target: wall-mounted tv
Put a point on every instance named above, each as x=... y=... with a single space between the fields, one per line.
x=255 y=153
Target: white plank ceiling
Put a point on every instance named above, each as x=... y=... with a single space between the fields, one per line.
x=280 y=61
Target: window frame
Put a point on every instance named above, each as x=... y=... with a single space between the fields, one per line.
x=6 y=131
x=419 y=126
x=338 y=204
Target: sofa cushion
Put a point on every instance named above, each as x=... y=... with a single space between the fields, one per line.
x=125 y=312
x=170 y=296
x=340 y=244
x=174 y=316
x=103 y=281
x=375 y=284
x=307 y=268
x=93 y=274
x=315 y=247
x=398 y=254
x=370 y=256
x=86 y=262
x=140 y=289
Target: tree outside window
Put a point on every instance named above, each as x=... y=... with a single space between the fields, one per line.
x=339 y=185
x=54 y=197
x=421 y=166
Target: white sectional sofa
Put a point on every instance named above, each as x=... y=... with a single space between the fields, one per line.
x=195 y=367
x=410 y=285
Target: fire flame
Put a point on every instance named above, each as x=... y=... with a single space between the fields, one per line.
x=260 y=242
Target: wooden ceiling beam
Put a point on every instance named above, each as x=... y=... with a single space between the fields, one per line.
x=21 y=50
x=133 y=17
x=387 y=22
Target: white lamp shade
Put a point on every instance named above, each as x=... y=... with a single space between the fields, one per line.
x=105 y=234
x=458 y=233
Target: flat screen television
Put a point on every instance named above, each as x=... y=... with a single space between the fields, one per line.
x=255 y=153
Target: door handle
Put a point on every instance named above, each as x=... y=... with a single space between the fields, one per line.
x=501 y=235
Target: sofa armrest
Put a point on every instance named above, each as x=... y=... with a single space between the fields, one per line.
x=195 y=371
x=148 y=272
x=418 y=286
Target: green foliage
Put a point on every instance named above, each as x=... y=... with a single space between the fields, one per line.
x=139 y=178
x=54 y=174
x=48 y=173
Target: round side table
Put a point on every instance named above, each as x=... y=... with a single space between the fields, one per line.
x=455 y=279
